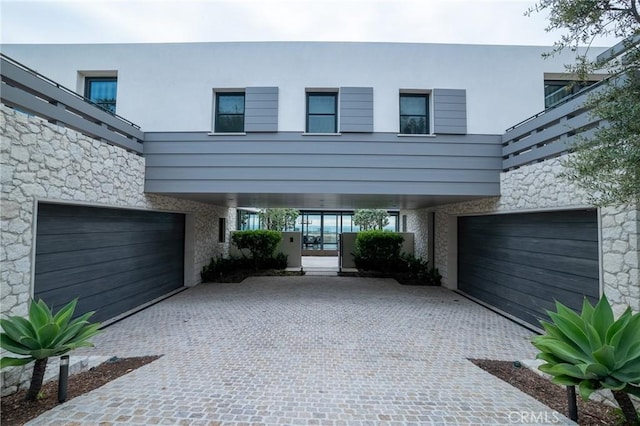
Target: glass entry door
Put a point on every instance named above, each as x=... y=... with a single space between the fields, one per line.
x=320 y=233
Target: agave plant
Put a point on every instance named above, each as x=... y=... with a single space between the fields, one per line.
x=43 y=335
x=593 y=351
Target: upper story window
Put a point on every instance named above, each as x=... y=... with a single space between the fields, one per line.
x=322 y=113
x=414 y=113
x=229 y=112
x=557 y=90
x=102 y=91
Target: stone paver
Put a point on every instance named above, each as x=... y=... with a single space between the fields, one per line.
x=310 y=351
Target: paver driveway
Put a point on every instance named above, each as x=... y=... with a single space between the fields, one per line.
x=310 y=350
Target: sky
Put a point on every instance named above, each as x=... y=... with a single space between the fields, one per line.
x=153 y=21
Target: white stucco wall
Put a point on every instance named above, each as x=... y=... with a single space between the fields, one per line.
x=168 y=87
x=537 y=187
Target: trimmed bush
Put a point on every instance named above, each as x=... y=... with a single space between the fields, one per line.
x=381 y=251
x=378 y=251
x=260 y=243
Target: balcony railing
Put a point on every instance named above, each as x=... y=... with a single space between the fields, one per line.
x=550 y=133
x=32 y=93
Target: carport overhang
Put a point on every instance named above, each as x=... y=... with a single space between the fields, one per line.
x=325 y=200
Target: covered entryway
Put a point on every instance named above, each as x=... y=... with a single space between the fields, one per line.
x=522 y=263
x=113 y=260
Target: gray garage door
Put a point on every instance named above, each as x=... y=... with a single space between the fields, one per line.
x=113 y=260
x=521 y=263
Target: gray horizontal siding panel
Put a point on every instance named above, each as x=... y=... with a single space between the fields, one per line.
x=113 y=260
x=261 y=109
x=22 y=100
x=352 y=163
x=450 y=111
x=311 y=146
x=221 y=186
x=297 y=137
x=522 y=263
x=327 y=174
x=356 y=109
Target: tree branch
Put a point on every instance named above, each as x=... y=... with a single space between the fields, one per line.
x=634 y=10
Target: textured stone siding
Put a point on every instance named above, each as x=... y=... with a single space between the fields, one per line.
x=537 y=187
x=46 y=162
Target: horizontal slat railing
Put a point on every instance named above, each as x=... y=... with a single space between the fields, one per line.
x=28 y=91
x=548 y=134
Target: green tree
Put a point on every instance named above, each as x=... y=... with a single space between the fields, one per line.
x=371 y=219
x=43 y=335
x=607 y=162
x=278 y=219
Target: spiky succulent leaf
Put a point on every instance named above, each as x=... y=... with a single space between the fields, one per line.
x=587 y=387
x=563 y=350
x=618 y=325
x=598 y=369
x=12 y=346
x=602 y=317
x=47 y=334
x=627 y=337
x=587 y=311
x=593 y=337
x=566 y=369
x=43 y=335
x=565 y=380
x=606 y=356
x=7 y=361
x=572 y=330
x=39 y=314
x=16 y=327
x=30 y=343
x=64 y=315
x=594 y=351
x=612 y=383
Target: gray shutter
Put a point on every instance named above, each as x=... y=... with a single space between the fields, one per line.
x=356 y=109
x=450 y=111
x=261 y=109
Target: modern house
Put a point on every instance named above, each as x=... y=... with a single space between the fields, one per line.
x=465 y=142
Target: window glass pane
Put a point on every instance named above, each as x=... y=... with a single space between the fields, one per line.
x=413 y=124
x=322 y=124
x=413 y=105
x=102 y=91
x=322 y=104
x=230 y=123
x=230 y=104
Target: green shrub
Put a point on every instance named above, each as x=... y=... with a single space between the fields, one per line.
x=43 y=335
x=260 y=243
x=593 y=351
x=378 y=251
x=419 y=270
x=220 y=268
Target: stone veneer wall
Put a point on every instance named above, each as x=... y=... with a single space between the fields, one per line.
x=537 y=187
x=43 y=161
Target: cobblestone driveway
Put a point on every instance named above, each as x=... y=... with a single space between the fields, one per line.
x=309 y=350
